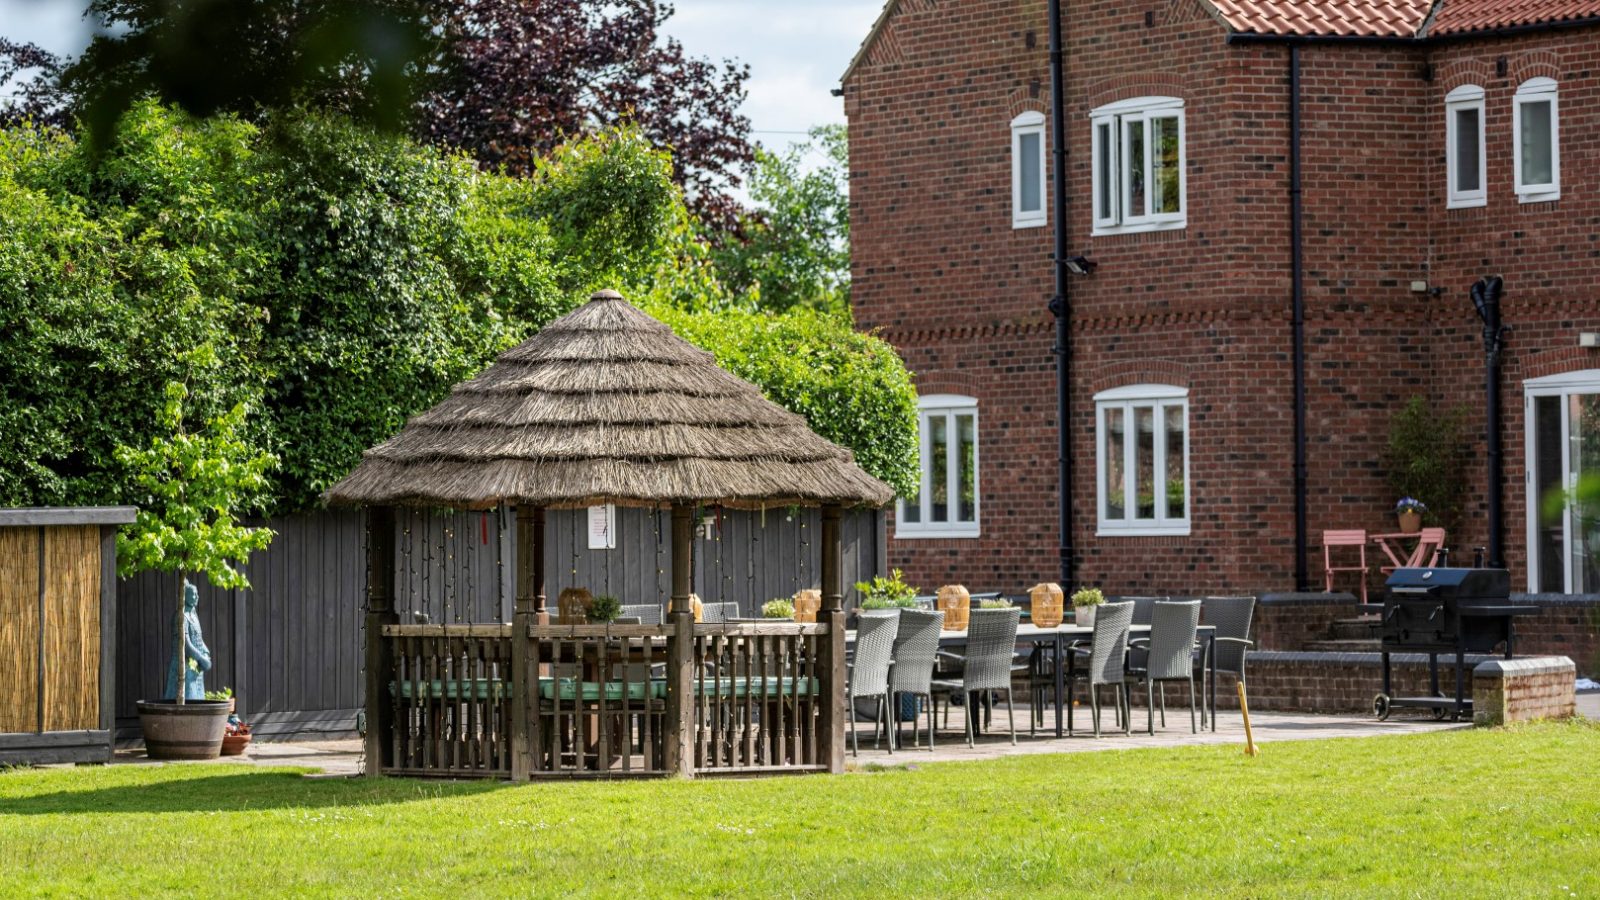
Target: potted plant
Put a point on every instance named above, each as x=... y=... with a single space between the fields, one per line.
x=994 y=603
x=1085 y=602
x=226 y=695
x=887 y=593
x=777 y=608
x=192 y=485
x=1409 y=511
x=235 y=737
x=603 y=609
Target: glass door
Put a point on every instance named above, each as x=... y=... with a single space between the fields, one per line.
x=1563 y=416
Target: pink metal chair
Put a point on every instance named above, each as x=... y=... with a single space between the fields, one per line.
x=1357 y=538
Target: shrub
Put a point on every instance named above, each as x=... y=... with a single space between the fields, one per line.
x=778 y=608
x=852 y=388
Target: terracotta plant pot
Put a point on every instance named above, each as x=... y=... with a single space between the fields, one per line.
x=234 y=744
x=191 y=730
x=1410 y=522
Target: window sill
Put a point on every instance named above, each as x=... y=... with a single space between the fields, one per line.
x=901 y=534
x=1142 y=531
x=1138 y=228
x=1538 y=196
x=1019 y=224
x=1472 y=203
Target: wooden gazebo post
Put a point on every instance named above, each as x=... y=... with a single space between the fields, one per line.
x=380 y=657
x=680 y=650
x=530 y=610
x=832 y=674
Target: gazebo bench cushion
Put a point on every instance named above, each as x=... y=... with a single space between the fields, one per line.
x=454 y=689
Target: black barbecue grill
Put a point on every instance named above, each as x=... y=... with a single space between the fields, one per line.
x=1439 y=611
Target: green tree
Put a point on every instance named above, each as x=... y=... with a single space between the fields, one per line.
x=795 y=245
x=194 y=485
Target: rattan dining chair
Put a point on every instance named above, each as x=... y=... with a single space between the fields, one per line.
x=646 y=613
x=718 y=612
x=1169 y=655
x=1105 y=657
x=1230 y=616
x=986 y=666
x=916 y=648
x=869 y=672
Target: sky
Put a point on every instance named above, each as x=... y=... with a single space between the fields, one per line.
x=796 y=51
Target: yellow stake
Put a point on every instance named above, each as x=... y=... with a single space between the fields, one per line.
x=1249 y=739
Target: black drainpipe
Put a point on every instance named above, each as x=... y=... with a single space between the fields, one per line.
x=1058 y=304
x=1486 y=298
x=1302 y=578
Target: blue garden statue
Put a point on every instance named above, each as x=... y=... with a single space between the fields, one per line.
x=194 y=681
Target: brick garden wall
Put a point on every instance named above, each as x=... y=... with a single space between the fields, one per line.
x=939 y=269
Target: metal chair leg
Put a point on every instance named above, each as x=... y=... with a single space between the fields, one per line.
x=1192 y=728
x=1094 y=701
x=1163 y=686
x=967 y=717
x=1150 y=708
x=855 y=741
x=1011 y=715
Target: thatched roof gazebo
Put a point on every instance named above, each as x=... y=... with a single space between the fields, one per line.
x=605 y=405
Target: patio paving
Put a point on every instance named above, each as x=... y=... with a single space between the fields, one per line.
x=341 y=758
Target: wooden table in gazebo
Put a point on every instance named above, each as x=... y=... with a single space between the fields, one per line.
x=603 y=406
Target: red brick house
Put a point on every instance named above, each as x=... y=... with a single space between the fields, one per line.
x=1440 y=141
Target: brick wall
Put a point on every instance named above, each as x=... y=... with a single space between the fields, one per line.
x=1520 y=690
x=1287 y=681
x=1288 y=621
x=939 y=269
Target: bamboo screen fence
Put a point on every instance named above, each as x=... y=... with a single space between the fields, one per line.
x=57 y=569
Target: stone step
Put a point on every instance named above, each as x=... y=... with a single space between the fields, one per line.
x=1354 y=629
x=1366 y=645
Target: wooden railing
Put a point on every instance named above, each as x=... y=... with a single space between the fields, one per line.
x=756 y=691
x=600 y=700
x=452 y=690
x=596 y=700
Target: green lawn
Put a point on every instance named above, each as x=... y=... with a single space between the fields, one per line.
x=1463 y=813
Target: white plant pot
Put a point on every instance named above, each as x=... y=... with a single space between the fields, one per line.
x=1084 y=615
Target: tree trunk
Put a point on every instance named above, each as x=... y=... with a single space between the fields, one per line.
x=180 y=688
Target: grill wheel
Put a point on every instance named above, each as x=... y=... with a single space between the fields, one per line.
x=1380 y=707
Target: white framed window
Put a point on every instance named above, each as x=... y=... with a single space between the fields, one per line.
x=1535 y=142
x=1142 y=460
x=1562 y=420
x=946 y=502
x=1028 y=205
x=1465 y=170
x=1138 y=165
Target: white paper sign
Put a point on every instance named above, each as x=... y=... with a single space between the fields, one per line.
x=603 y=527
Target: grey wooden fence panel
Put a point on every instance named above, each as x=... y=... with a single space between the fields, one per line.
x=290 y=647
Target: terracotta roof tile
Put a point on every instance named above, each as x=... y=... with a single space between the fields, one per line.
x=1364 y=18
x=1458 y=16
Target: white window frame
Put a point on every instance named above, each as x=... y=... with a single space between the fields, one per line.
x=1117 y=118
x=1467 y=96
x=948 y=406
x=1536 y=90
x=1030 y=122
x=1159 y=396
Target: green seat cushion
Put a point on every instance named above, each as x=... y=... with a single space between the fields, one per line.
x=758 y=687
x=454 y=689
x=569 y=690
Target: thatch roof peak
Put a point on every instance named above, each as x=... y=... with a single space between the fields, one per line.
x=607 y=405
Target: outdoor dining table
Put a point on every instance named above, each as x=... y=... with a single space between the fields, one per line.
x=1062 y=638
